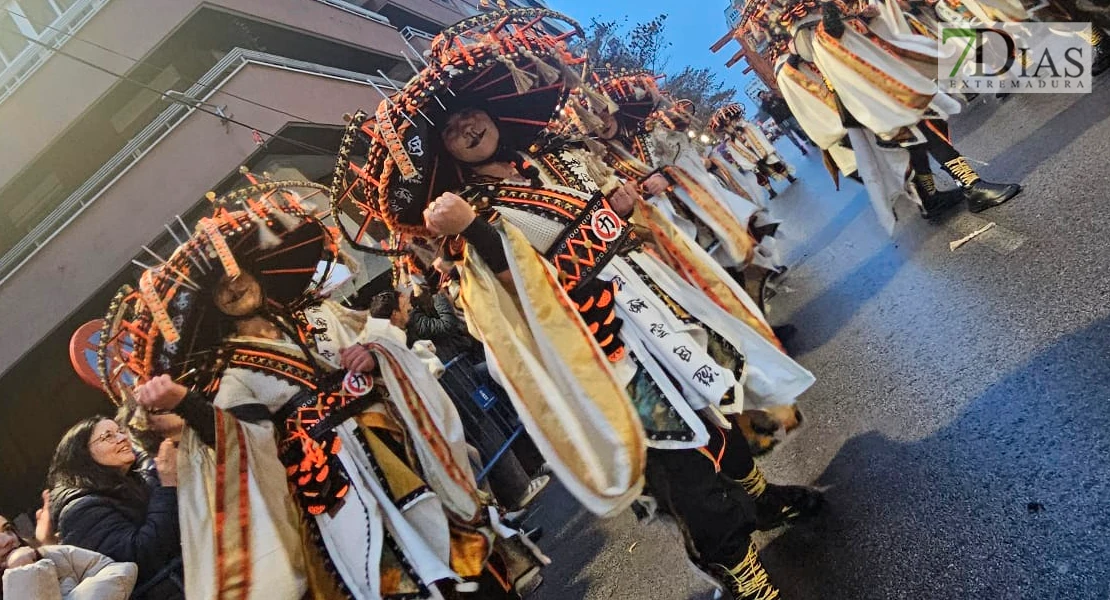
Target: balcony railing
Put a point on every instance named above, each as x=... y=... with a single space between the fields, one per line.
x=150 y=136
x=355 y=9
x=408 y=32
x=74 y=18
x=58 y=33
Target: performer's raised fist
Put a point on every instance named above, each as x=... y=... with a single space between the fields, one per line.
x=357 y=359
x=160 y=394
x=624 y=198
x=656 y=184
x=448 y=215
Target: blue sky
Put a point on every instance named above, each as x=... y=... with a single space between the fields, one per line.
x=692 y=26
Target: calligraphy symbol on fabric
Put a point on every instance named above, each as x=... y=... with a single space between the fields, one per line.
x=636 y=305
x=416 y=146
x=328 y=354
x=323 y=337
x=320 y=322
x=402 y=196
x=706 y=376
x=357 y=384
x=606 y=225
x=182 y=301
x=683 y=352
x=658 y=330
x=619 y=282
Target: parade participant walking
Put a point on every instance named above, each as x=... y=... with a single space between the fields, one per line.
x=644 y=140
x=638 y=148
x=672 y=147
x=747 y=147
x=557 y=205
x=778 y=110
x=558 y=379
x=904 y=107
x=285 y=392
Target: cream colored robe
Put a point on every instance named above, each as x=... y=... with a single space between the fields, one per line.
x=353 y=535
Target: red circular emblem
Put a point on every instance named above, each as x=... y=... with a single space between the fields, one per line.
x=83 y=348
x=606 y=225
x=357 y=384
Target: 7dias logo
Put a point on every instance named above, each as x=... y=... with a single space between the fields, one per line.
x=1023 y=58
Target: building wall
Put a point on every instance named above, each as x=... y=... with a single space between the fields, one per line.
x=62 y=89
x=70 y=280
x=169 y=180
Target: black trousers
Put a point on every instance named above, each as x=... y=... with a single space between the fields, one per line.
x=699 y=488
x=936 y=144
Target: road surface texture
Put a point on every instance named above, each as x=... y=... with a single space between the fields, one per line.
x=961 y=418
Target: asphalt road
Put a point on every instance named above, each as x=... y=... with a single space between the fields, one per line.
x=961 y=418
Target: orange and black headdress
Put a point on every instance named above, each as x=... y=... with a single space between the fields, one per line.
x=677 y=115
x=754 y=14
x=636 y=94
x=169 y=325
x=725 y=117
x=505 y=62
x=794 y=14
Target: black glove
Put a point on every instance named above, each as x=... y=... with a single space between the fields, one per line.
x=831 y=19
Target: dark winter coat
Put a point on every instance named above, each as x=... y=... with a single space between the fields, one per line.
x=136 y=523
x=440 y=325
x=778 y=109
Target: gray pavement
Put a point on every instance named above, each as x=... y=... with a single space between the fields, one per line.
x=961 y=418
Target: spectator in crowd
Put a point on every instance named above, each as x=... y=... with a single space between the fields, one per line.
x=432 y=317
x=66 y=572
x=392 y=305
x=100 y=500
x=776 y=107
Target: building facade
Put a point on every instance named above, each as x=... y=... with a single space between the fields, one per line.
x=752 y=51
x=118 y=117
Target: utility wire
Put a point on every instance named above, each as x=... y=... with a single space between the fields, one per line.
x=137 y=61
x=194 y=103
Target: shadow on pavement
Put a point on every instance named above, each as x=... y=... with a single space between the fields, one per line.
x=1049 y=139
x=824 y=315
x=1008 y=501
x=610 y=559
x=813 y=244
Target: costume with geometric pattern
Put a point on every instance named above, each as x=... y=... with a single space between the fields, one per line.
x=383 y=502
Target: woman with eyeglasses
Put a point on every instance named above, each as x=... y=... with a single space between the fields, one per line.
x=101 y=501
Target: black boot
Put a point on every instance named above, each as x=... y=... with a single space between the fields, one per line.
x=746 y=579
x=933 y=202
x=778 y=505
x=762 y=231
x=1100 y=61
x=984 y=194
x=785 y=333
x=791 y=178
x=980 y=194
x=771 y=193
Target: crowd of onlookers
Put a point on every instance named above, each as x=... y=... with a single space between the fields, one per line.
x=430 y=316
x=108 y=526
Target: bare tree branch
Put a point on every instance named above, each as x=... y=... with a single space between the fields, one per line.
x=613 y=45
